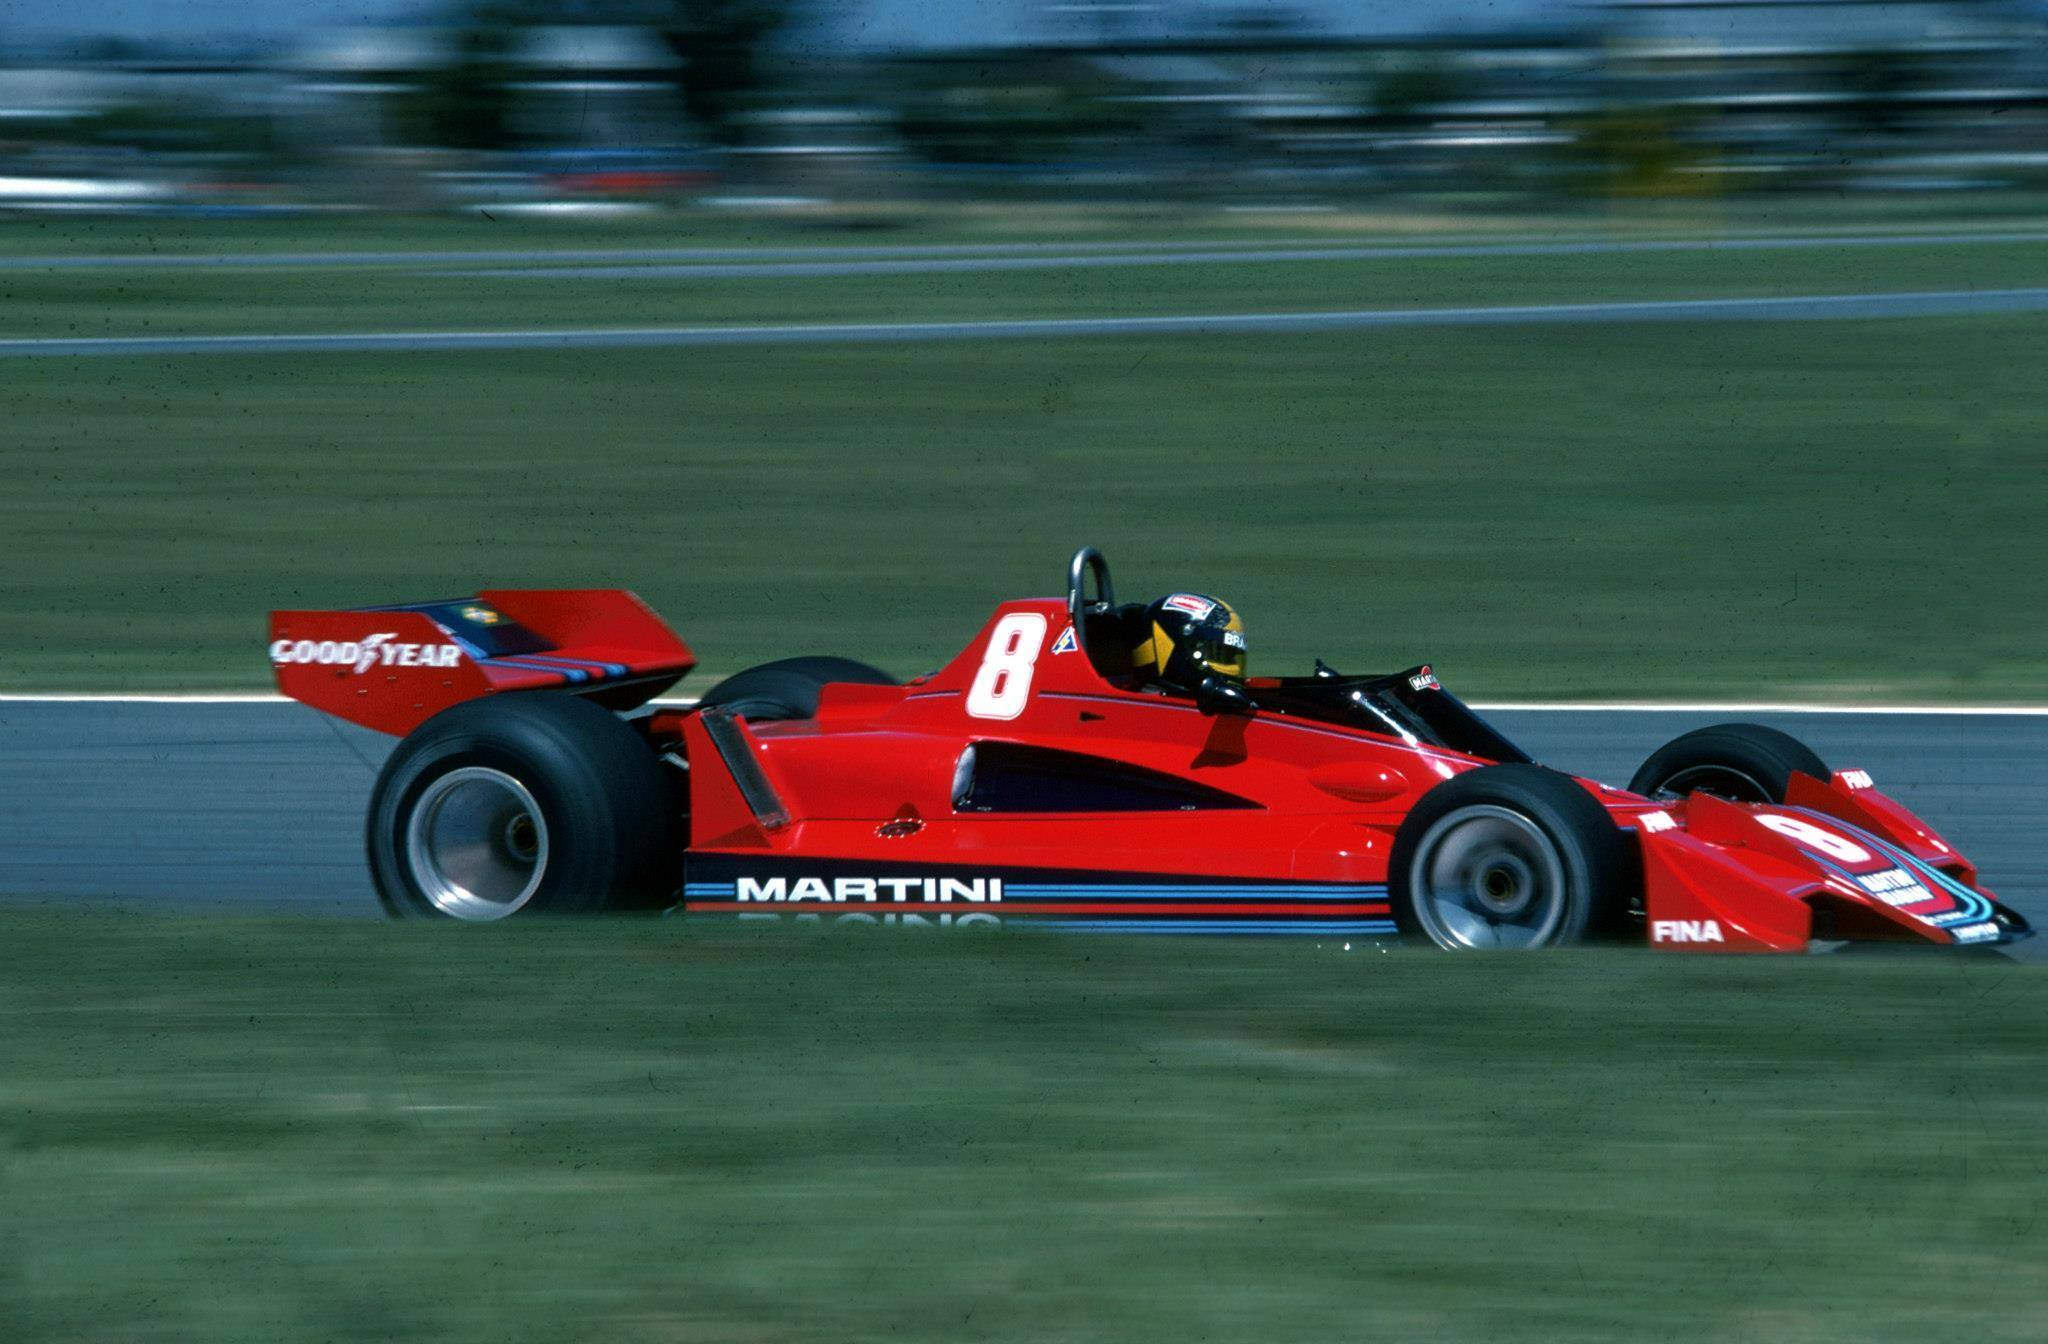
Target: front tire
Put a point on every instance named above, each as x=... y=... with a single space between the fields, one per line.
x=521 y=804
x=1742 y=762
x=1508 y=856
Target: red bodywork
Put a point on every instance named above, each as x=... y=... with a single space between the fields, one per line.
x=393 y=668
x=858 y=813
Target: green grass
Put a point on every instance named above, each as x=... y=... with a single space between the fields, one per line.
x=113 y=235
x=945 y=222
x=1842 y=510
x=248 y=1131
x=123 y=302
x=890 y=226
x=1838 y=509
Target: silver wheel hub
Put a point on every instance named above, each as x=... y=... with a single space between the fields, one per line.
x=1487 y=876
x=1723 y=781
x=476 y=844
x=1504 y=886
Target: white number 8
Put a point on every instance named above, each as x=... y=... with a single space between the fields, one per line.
x=1003 y=684
x=1814 y=838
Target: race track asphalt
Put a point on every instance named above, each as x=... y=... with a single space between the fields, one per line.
x=259 y=807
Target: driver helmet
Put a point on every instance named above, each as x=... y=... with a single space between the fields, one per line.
x=1187 y=637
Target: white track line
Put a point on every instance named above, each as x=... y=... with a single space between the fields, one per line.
x=1803 y=308
x=1490 y=707
x=1390 y=246
x=1210 y=256
x=143 y=698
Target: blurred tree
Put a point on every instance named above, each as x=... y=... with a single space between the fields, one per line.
x=158 y=125
x=1630 y=150
x=1270 y=21
x=1033 y=114
x=721 y=46
x=465 y=102
x=108 y=49
x=1877 y=81
x=1413 y=84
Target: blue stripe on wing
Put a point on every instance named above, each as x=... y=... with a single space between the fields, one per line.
x=573 y=675
x=1975 y=908
x=1299 y=927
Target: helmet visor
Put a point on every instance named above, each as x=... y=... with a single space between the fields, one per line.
x=1221 y=651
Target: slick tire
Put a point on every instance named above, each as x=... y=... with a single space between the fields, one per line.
x=788 y=688
x=530 y=803
x=1742 y=762
x=1512 y=857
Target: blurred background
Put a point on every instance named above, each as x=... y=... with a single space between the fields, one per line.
x=1817 y=476
x=1677 y=351
x=617 y=106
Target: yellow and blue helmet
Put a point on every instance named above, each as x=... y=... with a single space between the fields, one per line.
x=1188 y=636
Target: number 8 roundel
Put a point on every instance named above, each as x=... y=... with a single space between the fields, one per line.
x=1002 y=686
x=1812 y=837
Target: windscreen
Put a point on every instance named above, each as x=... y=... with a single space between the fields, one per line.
x=1428 y=712
x=1411 y=705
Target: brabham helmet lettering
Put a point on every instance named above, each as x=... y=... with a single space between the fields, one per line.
x=1189 y=638
x=360 y=655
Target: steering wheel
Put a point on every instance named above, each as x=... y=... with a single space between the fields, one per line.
x=1087 y=560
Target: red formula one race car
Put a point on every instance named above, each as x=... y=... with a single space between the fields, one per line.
x=1079 y=765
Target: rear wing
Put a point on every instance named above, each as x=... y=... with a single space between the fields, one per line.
x=393 y=668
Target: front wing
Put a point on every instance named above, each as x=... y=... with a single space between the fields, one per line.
x=1838 y=860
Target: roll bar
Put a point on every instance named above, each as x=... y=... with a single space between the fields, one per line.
x=1087 y=561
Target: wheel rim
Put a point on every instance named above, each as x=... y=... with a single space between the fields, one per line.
x=1487 y=876
x=477 y=844
x=1721 y=781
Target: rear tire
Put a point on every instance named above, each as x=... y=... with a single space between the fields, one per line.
x=1742 y=762
x=788 y=688
x=530 y=803
x=1508 y=856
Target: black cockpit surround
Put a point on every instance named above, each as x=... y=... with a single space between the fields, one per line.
x=1408 y=705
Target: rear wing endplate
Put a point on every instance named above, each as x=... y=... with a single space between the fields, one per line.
x=392 y=668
